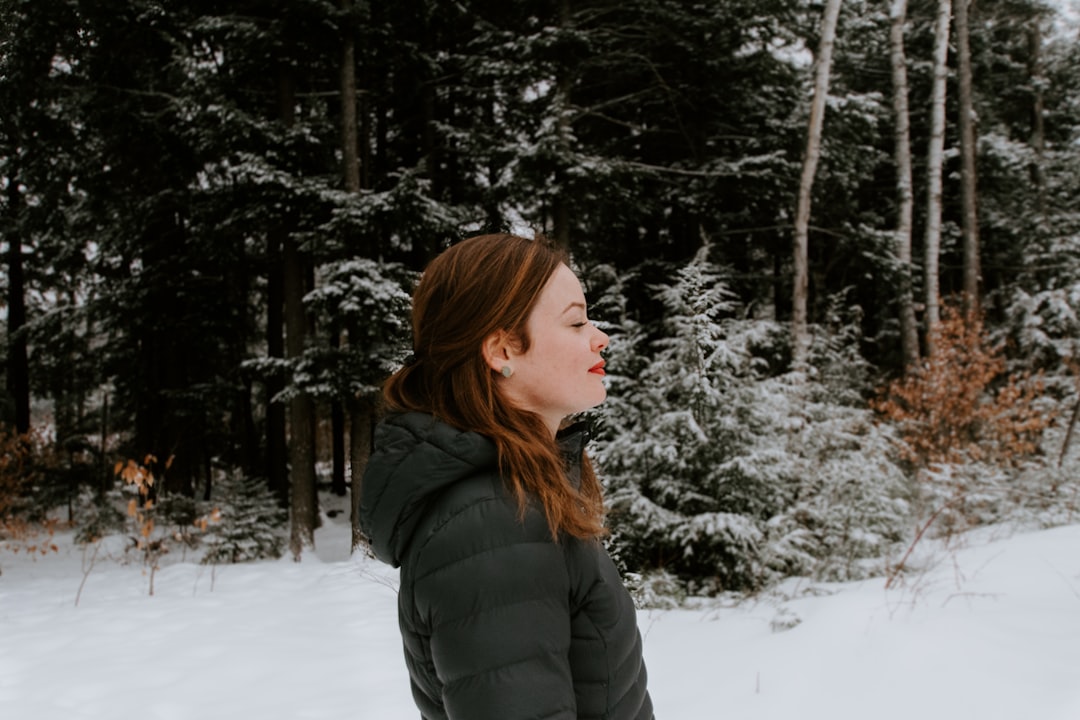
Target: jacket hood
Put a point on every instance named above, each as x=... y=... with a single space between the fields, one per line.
x=415 y=456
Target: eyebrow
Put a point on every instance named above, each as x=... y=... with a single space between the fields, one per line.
x=573 y=305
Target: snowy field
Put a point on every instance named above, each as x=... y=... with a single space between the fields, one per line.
x=989 y=630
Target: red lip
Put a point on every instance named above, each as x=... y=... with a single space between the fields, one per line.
x=598 y=368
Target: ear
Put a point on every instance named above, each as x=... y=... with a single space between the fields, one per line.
x=497 y=349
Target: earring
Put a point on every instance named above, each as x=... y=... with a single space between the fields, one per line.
x=507 y=371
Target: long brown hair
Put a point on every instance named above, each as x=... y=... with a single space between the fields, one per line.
x=480 y=286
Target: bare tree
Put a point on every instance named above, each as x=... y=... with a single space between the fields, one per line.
x=934 y=162
x=823 y=65
x=972 y=269
x=909 y=334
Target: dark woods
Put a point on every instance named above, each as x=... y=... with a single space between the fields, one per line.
x=213 y=214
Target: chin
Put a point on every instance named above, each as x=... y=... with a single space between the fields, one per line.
x=599 y=399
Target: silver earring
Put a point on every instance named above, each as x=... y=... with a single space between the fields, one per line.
x=507 y=371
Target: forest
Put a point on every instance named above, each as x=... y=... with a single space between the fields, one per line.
x=836 y=246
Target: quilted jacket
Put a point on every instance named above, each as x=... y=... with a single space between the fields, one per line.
x=498 y=621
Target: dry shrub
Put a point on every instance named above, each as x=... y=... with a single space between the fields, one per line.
x=960 y=405
x=24 y=458
x=145 y=508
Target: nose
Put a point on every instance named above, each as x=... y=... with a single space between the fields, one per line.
x=600 y=340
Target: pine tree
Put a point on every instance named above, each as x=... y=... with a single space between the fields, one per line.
x=247 y=525
x=720 y=468
x=673 y=439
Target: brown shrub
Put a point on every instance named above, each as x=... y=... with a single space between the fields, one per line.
x=960 y=404
x=23 y=459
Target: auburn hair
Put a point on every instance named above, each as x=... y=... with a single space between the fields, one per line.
x=480 y=286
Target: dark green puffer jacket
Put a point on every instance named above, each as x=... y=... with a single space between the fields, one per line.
x=498 y=621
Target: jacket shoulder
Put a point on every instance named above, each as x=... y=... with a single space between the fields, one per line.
x=475 y=516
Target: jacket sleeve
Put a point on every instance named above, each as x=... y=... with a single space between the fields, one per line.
x=494 y=595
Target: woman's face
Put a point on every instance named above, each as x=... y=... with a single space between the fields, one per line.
x=562 y=371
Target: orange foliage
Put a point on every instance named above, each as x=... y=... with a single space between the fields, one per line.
x=960 y=404
x=140 y=510
x=142 y=478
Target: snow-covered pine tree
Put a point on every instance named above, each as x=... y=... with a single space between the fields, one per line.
x=249 y=525
x=724 y=471
x=670 y=436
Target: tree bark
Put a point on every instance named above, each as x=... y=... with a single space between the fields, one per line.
x=350 y=171
x=560 y=211
x=361 y=425
x=1038 y=112
x=909 y=333
x=350 y=156
x=303 y=499
x=337 y=430
x=277 y=446
x=972 y=269
x=277 y=458
x=355 y=146
x=935 y=159
x=823 y=66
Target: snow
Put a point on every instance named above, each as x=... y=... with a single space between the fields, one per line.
x=987 y=628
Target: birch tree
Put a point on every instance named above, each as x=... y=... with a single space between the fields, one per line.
x=934 y=161
x=823 y=65
x=909 y=336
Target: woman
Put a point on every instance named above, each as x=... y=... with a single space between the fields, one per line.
x=509 y=606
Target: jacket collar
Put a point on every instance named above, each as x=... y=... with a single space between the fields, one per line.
x=572 y=440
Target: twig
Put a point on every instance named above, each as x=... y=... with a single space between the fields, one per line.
x=1068 y=433
x=918 y=536
x=87 y=569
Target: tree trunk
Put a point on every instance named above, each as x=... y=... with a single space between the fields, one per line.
x=935 y=160
x=361 y=423
x=66 y=392
x=909 y=333
x=277 y=445
x=972 y=270
x=277 y=459
x=823 y=65
x=350 y=171
x=354 y=170
x=337 y=430
x=1038 y=128
x=18 y=366
x=560 y=211
x=303 y=498
x=243 y=426
x=350 y=164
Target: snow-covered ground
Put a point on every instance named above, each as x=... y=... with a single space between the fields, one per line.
x=990 y=630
